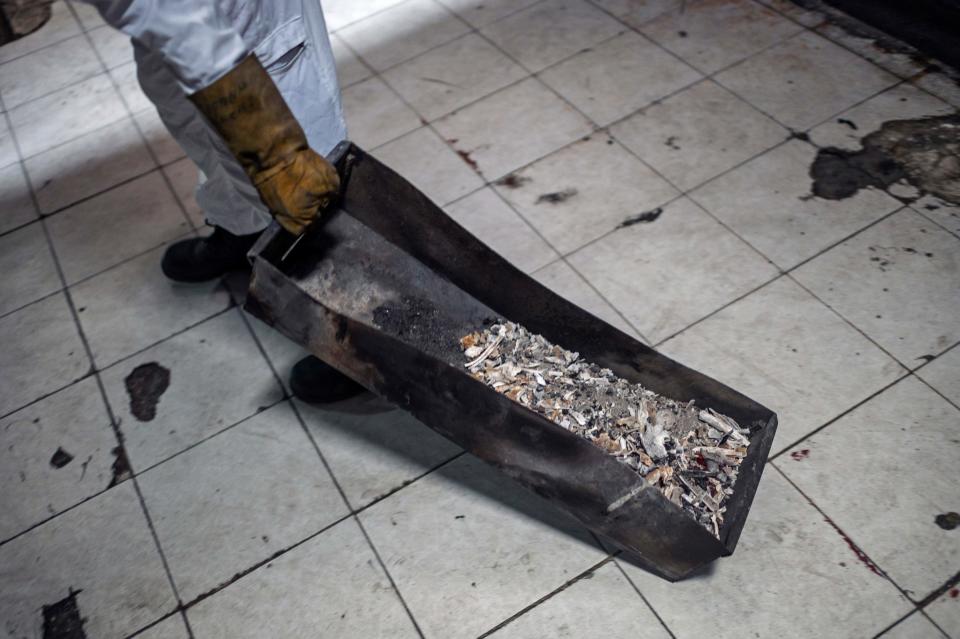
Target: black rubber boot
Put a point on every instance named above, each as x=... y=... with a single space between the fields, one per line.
x=205 y=258
x=316 y=382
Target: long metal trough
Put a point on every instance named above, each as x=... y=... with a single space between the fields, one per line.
x=385 y=290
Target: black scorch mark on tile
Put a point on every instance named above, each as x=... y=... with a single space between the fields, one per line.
x=513 y=181
x=556 y=197
x=948 y=521
x=61 y=620
x=60 y=458
x=642 y=218
x=121 y=466
x=145 y=384
x=922 y=152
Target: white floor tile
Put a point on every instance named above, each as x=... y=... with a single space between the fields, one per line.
x=919 y=450
x=916 y=626
x=375 y=114
x=8 y=151
x=639 y=12
x=430 y=165
x=106 y=229
x=945 y=611
x=184 y=177
x=574 y=612
x=16 y=206
x=453 y=75
x=89 y=16
x=902 y=63
x=468 y=548
x=29 y=271
x=570 y=285
x=797 y=13
x=492 y=221
x=613 y=79
x=902 y=102
x=665 y=274
x=331 y=586
x=513 y=127
x=768 y=202
x=943 y=213
x=133 y=306
x=373 y=448
x=339 y=13
x=113 y=46
x=164 y=147
x=480 y=14
x=402 y=32
x=102 y=551
x=125 y=76
x=698 y=133
x=42 y=352
x=770 y=588
x=47 y=70
x=941 y=85
x=236 y=499
x=550 y=31
x=62 y=25
x=55 y=454
x=943 y=374
x=88 y=165
x=896 y=281
x=607 y=185
x=216 y=377
x=713 y=35
x=784 y=349
x=170 y=628
x=282 y=352
x=805 y=80
x=350 y=69
x=66 y=114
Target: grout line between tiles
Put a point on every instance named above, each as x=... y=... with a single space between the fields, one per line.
x=645 y=600
x=785 y=449
x=583 y=575
x=118 y=434
x=343 y=495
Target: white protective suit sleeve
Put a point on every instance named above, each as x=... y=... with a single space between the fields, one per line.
x=196 y=40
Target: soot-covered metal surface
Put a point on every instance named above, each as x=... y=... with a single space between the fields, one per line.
x=384 y=292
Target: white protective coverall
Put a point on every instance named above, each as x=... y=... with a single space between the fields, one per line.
x=182 y=46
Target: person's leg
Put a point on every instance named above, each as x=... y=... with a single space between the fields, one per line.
x=224 y=193
x=228 y=200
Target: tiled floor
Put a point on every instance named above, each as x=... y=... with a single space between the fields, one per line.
x=234 y=511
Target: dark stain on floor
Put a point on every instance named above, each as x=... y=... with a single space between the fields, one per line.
x=513 y=181
x=924 y=152
x=121 y=466
x=800 y=455
x=948 y=521
x=60 y=458
x=642 y=218
x=145 y=384
x=61 y=620
x=556 y=197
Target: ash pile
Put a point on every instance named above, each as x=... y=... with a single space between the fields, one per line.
x=691 y=454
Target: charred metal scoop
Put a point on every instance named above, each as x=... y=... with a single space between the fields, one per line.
x=385 y=289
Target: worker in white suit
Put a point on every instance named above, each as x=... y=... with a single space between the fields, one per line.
x=248 y=88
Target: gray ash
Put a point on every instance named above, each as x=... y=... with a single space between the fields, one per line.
x=691 y=455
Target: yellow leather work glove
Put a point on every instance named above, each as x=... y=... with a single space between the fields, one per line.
x=247 y=110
